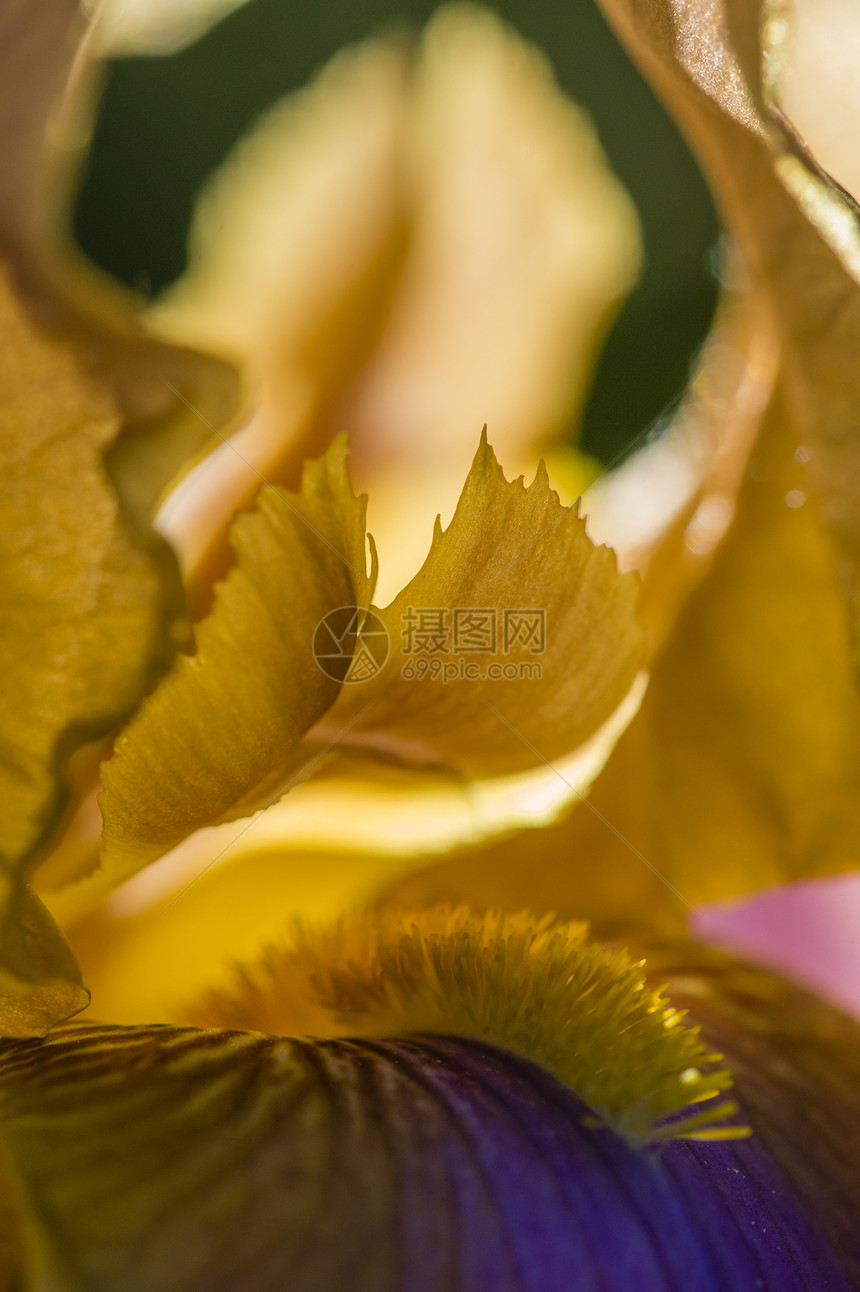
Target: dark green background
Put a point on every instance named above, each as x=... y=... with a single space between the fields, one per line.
x=166 y=122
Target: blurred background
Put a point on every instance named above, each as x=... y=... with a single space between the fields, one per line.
x=166 y=122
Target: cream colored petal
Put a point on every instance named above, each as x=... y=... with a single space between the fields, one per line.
x=295 y=251
x=153 y=26
x=296 y=216
x=409 y=249
x=522 y=243
x=818 y=86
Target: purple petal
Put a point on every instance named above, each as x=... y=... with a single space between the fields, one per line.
x=195 y=1161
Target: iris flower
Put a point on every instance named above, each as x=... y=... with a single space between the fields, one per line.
x=487 y=1055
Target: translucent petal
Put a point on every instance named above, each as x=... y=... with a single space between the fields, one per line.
x=91 y=600
x=742 y=768
x=797 y=228
x=817 y=87
x=219 y=738
x=77 y=578
x=513 y=585
x=40 y=981
x=153 y=26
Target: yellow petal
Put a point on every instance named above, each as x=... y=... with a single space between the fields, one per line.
x=327 y=848
x=40 y=982
x=87 y=601
x=754 y=717
x=598 y=862
x=244 y=725
x=90 y=597
x=402 y=780
x=666 y=510
x=46 y=104
x=515 y=641
x=742 y=768
x=684 y=489
x=219 y=737
x=750 y=765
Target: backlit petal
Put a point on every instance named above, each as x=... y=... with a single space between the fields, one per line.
x=742 y=768
x=40 y=981
x=219 y=738
x=511 y=556
x=797 y=229
x=153 y=26
x=91 y=599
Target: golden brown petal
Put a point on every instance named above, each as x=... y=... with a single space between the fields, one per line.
x=742 y=768
x=91 y=598
x=47 y=91
x=40 y=981
x=515 y=590
x=219 y=737
x=797 y=229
